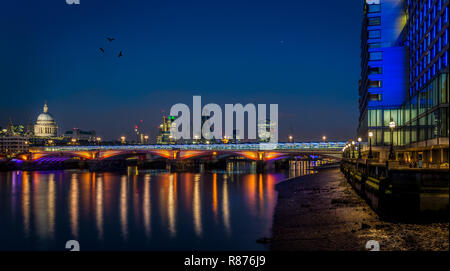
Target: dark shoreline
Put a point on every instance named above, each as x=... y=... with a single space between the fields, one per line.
x=323 y=212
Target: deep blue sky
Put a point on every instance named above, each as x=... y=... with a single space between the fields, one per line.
x=303 y=55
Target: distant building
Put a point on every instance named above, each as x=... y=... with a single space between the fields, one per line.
x=13 y=144
x=80 y=135
x=45 y=125
x=164 y=136
x=264 y=130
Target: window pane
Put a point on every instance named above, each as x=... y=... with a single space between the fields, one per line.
x=375 y=70
x=375 y=56
x=374 y=8
x=374 y=34
x=374 y=45
x=374 y=21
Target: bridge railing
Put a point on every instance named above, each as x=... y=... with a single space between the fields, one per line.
x=324 y=146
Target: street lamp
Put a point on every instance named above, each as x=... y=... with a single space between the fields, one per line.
x=290 y=138
x=146 y=139
x=370 y=156
x=353 y=149
x=391 y=150
x=324 y=138
x=74 y=141
x=99 y=139
x=359 y=147
x=122 y=139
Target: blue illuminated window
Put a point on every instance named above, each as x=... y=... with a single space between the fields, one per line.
x=446 y=37
x=372 y=21
x=374 y=34
x=446 y=15
x=374 y=45
x=445 y=61
x=374 y=8
x=375 y=70
x=375 y=55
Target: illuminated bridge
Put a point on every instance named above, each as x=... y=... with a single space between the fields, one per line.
x=254 y=151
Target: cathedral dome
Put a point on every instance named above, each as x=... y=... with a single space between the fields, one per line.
x=45 y=117
x=45 y=125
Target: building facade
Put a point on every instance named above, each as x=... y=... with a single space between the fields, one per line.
x=13 y=144
x=164 y=136
x=404 y=78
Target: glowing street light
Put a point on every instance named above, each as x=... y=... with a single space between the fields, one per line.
x=370 y=156
x=353 y=149
x=359 y=147
x=291 y=138
x=324 y=138
x=146 y=139
x=391 y=150
x=122 y=139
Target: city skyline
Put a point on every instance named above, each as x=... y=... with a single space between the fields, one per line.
x=245 y=58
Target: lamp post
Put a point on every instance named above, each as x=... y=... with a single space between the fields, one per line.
x=122 y=140
x=99 y=139
x=146 y=139
x=391 y=150
x=353 y=149
x=290 y=139
x=359 y=147
x=370 y=156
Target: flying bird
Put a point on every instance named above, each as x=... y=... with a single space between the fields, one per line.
x=103 y=50
x=120 y=54
x=110 y=39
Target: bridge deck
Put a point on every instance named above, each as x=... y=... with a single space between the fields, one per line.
x=311 y=146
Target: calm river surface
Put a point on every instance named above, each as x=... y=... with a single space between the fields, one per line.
x=137 y=210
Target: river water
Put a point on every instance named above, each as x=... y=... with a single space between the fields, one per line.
x=138 y=210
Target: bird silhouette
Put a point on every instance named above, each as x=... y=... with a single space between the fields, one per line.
x=120 y=54
x=103 y=50
x=110 y=39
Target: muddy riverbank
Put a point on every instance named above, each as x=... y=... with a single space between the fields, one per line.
x=323 y=212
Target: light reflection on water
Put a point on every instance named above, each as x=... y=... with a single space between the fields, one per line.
x=139 y=210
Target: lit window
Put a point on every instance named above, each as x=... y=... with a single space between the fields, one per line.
x=374 y=34
x=375 y=55
x=373 y=8
x=374 y=21
x=375 y=97
x=374 y=45
x=375 y=84
x=375 y=70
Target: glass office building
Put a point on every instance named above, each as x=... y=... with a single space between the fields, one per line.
x=404 y=78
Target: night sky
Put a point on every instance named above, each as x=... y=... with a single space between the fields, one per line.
x=303 y=55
